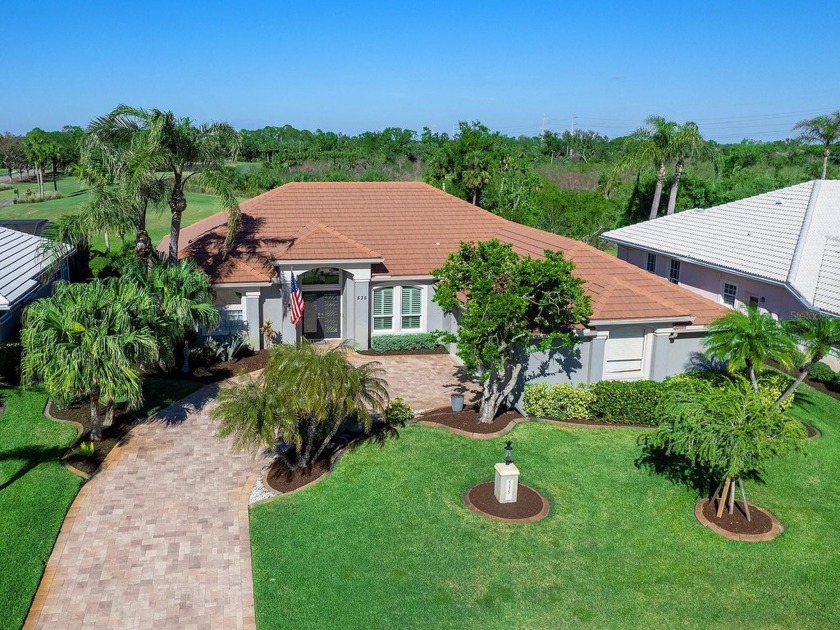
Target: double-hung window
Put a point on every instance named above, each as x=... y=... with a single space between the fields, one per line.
x=674 y=273
x=651 y=263
x=383 y=308
x=729 y=293
x=412 y=308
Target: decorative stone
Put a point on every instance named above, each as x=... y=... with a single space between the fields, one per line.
x=506 y=485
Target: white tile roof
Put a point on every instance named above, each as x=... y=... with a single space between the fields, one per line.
x=21 y=265
x=782 y=236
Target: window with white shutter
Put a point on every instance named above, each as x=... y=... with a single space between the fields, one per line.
x=383 y=308
x=412 y=308
x=625 y=353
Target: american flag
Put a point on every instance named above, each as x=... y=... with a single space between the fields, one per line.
x=296 y=302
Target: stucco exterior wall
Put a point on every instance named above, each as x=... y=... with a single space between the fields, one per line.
x=777 y=300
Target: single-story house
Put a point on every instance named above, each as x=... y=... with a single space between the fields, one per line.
x=25 y=275
x=363 y=254
x=779 y=251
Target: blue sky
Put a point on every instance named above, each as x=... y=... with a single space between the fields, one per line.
x=738 y=68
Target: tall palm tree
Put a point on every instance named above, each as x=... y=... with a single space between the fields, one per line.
x=687 y=143
x=653 y=144
x=820 y=337
x=301 y=400
x=747 y=340
x=89 y=340
x=183 y=151
x=822 y=129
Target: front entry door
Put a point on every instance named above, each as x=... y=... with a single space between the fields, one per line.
x=322 y=314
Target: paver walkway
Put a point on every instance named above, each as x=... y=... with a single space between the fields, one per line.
x=159 y=538
x=425 y=381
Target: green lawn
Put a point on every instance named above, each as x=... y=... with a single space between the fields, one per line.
x=199 y=206
x=35 y=494
x=385 y=541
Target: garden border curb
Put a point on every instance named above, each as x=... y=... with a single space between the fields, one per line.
x=776 y=528
x=79 y=431
x=525 y=420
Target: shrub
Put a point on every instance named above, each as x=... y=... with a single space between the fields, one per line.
x=399 y=412
x=543 y=400
x=30 y=197
x=631 y=402
x=401 y=343
x=84 y=449
x=6 y=186
x=227 y=348
x=10 y=353
x=822 y=373
x=771 y=385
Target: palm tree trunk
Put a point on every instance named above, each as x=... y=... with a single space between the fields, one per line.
x=657 y=192
x=95 y=423
x=826 y=153
x=109 y=414
x=675 y=185
x=753 y=379
x=107 y=242
x=177 y=204
x=796 y=383
x=55 y=183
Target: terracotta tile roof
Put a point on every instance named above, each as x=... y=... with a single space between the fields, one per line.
x=414 y=227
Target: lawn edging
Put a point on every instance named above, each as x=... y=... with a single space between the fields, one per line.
x=524 y=420
x=79 y=431
x=776 y=529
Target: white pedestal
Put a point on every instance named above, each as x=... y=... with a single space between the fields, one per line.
x=507 y=483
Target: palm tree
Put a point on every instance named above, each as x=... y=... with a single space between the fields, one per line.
x=184 y=300
x=822 y=129
x=183 y=151
x=820 y=336
x=89 y=341
x=747 y=340
x=301 y=399
x=687 y=143
x=652 y=144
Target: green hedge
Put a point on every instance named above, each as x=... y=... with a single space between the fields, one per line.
x=397 y=343
x=824 y=374
x=626 y=402
x=557 y=401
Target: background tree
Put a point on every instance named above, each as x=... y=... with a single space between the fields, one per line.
x=687 y=143
x=183 y=151
x=11 y=153
x=89 y=341
x=38 y=151
x=301 y=400
x=513 y=305
x=747 y=340
x=819 y=335
x=651 y=145
x=728 y=430
x=822 y=129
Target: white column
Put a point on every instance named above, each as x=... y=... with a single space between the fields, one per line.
x=252 y=316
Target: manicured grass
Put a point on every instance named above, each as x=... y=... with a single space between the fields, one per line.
x=35 y=494
x=385 y=540
x=199 y=206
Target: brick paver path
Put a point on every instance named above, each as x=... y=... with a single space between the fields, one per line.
x=425 y=381
x=159 y=538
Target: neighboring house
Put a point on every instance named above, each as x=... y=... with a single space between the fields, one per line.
x=24 y=276
x=779 y=251
x=364 y=252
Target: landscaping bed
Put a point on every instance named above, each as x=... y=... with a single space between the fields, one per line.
x=248 y=362
x=737 y=523
x=280 y=478
x=396 y=353
x=529 y=506
x=467 y=420
x=589 y=422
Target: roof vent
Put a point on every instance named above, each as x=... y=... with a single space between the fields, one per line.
x=779 y=203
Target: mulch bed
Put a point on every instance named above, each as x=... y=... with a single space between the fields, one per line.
x=812 y=431
x=281 y=479
x=467 y=420
x=737 y=522
x=396 y=353
x=529 y=503
x=111 y=436
x=221 y=371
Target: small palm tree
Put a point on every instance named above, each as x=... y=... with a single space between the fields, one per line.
x=747 y=340
x=728 y=430
x=820 y=337
x=89 y=340
x=301 y=399
x=822 y=129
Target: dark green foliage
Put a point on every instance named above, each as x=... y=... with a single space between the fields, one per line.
x=543 y=400
x=10 y=354
x=398 y=412
x=109 y=264
x=397 y=343
x=578 y=214
x=824 y=374
x=632 y=402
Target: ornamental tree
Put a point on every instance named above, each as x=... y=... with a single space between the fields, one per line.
x=508 y=305
x=727 y=430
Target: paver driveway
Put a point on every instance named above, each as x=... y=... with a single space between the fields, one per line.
x=159 y=538
x=425 y=381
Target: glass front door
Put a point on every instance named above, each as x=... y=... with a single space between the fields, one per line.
x=322 y=314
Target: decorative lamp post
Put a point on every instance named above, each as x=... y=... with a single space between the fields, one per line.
x=506 y=484
x=508 y=453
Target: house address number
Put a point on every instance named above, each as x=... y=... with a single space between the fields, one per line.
x=361 y=297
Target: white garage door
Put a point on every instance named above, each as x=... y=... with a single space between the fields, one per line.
x=625 y=353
